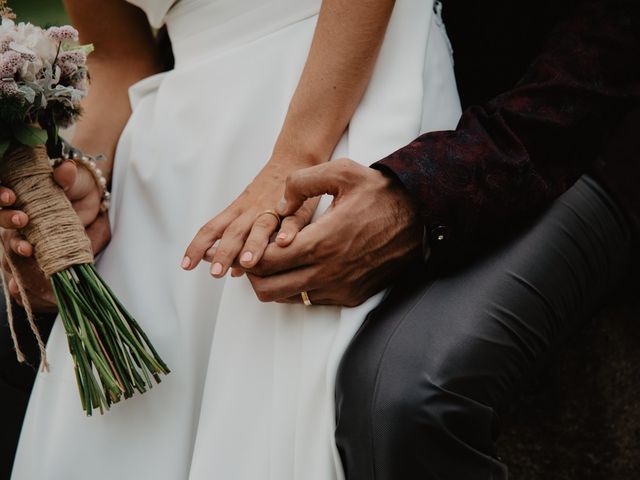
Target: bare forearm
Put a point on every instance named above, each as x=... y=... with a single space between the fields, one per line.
x=345 y=47
x=124 y=54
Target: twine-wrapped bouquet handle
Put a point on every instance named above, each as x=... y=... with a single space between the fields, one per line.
x=54 y=229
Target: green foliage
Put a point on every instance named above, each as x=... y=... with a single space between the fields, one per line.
x=29 y=135
x=40 y=12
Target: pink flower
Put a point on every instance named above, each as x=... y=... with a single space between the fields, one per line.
x=77 y=57
x=67 y=69
x=10 y=63
x=60 y=34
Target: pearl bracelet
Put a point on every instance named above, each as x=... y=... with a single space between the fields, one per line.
x=90 y=163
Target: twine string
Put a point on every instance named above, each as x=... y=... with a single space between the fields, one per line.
x=26 y=304
x=7 y=301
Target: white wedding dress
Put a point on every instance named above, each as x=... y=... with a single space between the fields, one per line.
x=250 y=396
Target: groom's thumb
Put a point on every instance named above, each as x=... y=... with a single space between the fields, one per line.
x=308 y=183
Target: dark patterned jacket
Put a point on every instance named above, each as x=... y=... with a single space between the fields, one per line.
x=520 y=144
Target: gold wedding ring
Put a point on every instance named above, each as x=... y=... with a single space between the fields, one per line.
x=305 y=298
x=271 y=212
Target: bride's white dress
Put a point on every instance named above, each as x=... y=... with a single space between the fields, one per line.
x=250 y=396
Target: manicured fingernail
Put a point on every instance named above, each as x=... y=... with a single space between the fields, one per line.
x=282 y=205
x=246 y=257
x=282 y=236
x=216 y=269
x=186 y=263
x=6 y=198
x=16 y=220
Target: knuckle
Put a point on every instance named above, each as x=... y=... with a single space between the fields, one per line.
x=292 y=180
x=264 y=222
x=291 y=223
x=207 y=230
x=235 y=232
x=224 y=254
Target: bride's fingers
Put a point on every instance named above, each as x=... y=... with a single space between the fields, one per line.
x=20 y=246
x=13 y=219
x=258 y=239
x=292 y=224
x=208 y=234
x=208 y=255
x=230 y=244
x=7 y=197
x=13 y=287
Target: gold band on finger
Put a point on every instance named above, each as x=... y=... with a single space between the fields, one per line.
x=271 y=212
x=305 y=298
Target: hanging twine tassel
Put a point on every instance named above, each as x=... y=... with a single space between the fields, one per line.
x=7 y=300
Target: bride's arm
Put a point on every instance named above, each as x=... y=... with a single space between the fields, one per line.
x=347 y=39
x=343 y=53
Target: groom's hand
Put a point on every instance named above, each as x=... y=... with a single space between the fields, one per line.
x=366 y=237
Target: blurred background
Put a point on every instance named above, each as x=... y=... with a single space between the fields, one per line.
x=40 y=12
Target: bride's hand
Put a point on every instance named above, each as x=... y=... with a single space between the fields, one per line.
x=81 y=189
x=239 y=235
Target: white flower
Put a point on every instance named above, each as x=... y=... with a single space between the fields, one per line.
x=36 y=41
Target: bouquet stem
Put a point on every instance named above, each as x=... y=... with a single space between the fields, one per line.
x=112 y=355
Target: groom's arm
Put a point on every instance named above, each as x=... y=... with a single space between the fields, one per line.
x=506 y=160
x=509 y=158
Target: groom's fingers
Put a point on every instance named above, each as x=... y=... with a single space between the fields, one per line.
x=302 y=252
x=310 y=182
x=285 y=285
x=292 y=224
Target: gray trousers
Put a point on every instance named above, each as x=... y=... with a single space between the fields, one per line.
x=422 y=385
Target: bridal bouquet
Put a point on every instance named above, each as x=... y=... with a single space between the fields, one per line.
x=43 y=77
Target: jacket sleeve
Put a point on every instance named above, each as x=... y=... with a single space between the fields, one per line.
x=509 y=158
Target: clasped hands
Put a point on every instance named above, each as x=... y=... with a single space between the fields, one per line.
x=369 y=233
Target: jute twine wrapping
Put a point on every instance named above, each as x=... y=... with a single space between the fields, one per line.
x=54 y=229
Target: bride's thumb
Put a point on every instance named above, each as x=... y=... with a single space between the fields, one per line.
x=65 y=175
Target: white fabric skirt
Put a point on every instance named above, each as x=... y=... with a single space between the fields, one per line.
x=251 y=391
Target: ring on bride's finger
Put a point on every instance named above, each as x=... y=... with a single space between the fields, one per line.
x=271 y=212
x=305 y=298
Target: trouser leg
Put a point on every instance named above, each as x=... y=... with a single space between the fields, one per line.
x=421 y=386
